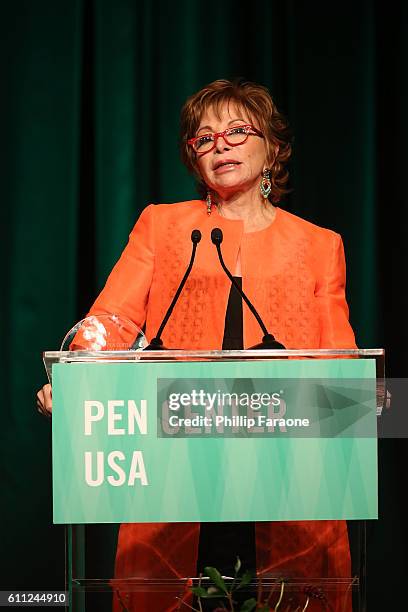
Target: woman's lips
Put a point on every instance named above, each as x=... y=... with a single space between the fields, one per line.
x=226 y=167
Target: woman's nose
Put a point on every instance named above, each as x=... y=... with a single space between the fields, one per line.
x=220 y=144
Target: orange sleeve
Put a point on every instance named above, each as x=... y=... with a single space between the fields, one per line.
x=335 y=329
x=126 y=291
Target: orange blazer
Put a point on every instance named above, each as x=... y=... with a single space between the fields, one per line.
x=293 y=272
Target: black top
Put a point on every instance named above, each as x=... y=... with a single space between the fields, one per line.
x=233 y=329
x=221 y=543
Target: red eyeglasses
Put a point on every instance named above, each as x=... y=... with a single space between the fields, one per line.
x=233 y=136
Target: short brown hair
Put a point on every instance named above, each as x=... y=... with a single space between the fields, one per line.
x=257 y=102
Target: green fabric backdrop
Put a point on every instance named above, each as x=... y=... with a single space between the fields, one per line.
x=89 y=116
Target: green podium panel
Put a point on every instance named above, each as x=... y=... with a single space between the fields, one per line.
x=169 y=442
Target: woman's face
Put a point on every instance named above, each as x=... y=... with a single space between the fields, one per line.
x=229 y=169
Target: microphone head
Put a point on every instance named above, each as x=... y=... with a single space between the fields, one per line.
x=216 y=236
x=195 y=236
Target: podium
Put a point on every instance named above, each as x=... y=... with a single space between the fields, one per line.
x=297 y=443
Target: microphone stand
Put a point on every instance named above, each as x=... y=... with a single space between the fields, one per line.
x=268 y=340
x=157 y=343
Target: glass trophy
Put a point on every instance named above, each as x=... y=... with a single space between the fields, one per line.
x=106 y=332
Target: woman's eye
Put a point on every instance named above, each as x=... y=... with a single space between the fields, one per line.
x=203 y=140
x=237 y=130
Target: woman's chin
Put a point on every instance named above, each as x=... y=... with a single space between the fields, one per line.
x=226 y=188
x=229 y=180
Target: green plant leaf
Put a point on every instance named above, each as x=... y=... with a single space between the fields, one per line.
x=209 y=593
x=216 y=577
x=246 y=579
x=237 y=565
x=214 y=592
x=248 y=605
x=199 y=591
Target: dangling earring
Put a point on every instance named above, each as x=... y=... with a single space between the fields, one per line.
x=209 y=202
x=266 y=185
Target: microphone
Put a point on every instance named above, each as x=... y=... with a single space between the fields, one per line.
x=268 y=340
x=157 y=343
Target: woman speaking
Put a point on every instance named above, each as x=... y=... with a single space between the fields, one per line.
x=236 y=143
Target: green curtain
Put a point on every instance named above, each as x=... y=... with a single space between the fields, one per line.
x=89 y=112
x=41 y=51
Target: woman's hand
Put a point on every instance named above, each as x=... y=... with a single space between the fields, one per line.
x=44 y=400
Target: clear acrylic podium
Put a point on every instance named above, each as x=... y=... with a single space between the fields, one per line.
x=91 y=548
